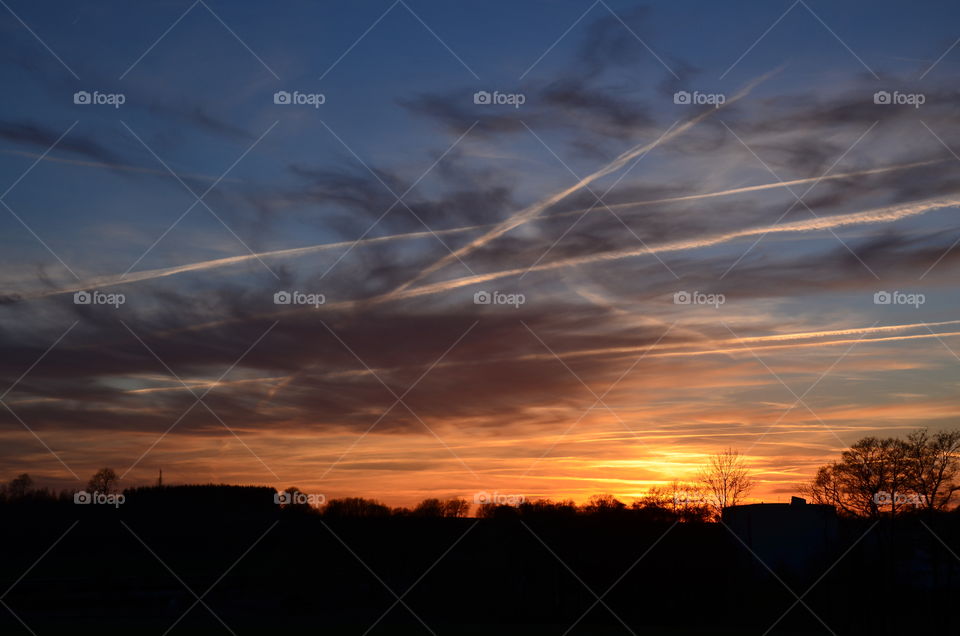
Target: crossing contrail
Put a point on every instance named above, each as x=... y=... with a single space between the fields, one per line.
x=878 y=215
x=151 y=274
x=535 y=210
x=883 y=215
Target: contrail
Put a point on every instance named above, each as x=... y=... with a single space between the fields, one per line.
x=800 y=345
x=533 y=211
x=109 y=281
x=150 y=274
x=878 y=215
x=888 y=333
x=776 y=341
x=759 y=188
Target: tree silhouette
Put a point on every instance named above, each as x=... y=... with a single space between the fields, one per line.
x=686 y=501
x=19 y=486
x=726 y=479
x=876 y=476
x=851 y=484
x=103 y=481
x=436 y=508
x=429 y=508
x=603 y=504
x=935 y=466
x=355 y=507
x=293 y=498
x=456 y=507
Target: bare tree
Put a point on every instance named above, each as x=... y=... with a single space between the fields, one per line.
x=934 y=468
x=830 y=486
x=103 y=481
x=726 y=479
x=432 y=507
x=898 y=472
x=889 y=476
x=852 y=484
x=456 y=507
x=687 y=501
x=603 y=504
x=355 y=507
x=19 y=486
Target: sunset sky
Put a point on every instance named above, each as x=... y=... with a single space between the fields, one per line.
x=787 y=201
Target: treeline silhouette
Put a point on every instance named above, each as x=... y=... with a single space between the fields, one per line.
x=529 y=569
x=269 y=562
x=207 y=499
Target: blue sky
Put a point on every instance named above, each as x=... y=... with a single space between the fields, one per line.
x=797 y=361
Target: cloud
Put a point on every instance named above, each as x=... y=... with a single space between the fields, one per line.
x=112 y=166
x=501 y=385
x=43 y=137
x=880 y=215
x=533 y=211
x=470 y=202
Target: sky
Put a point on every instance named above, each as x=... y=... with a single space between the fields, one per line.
x=408 y=249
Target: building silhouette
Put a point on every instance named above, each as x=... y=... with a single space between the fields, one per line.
x=793 y=538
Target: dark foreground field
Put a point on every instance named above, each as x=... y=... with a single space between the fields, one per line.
x=140 y=568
